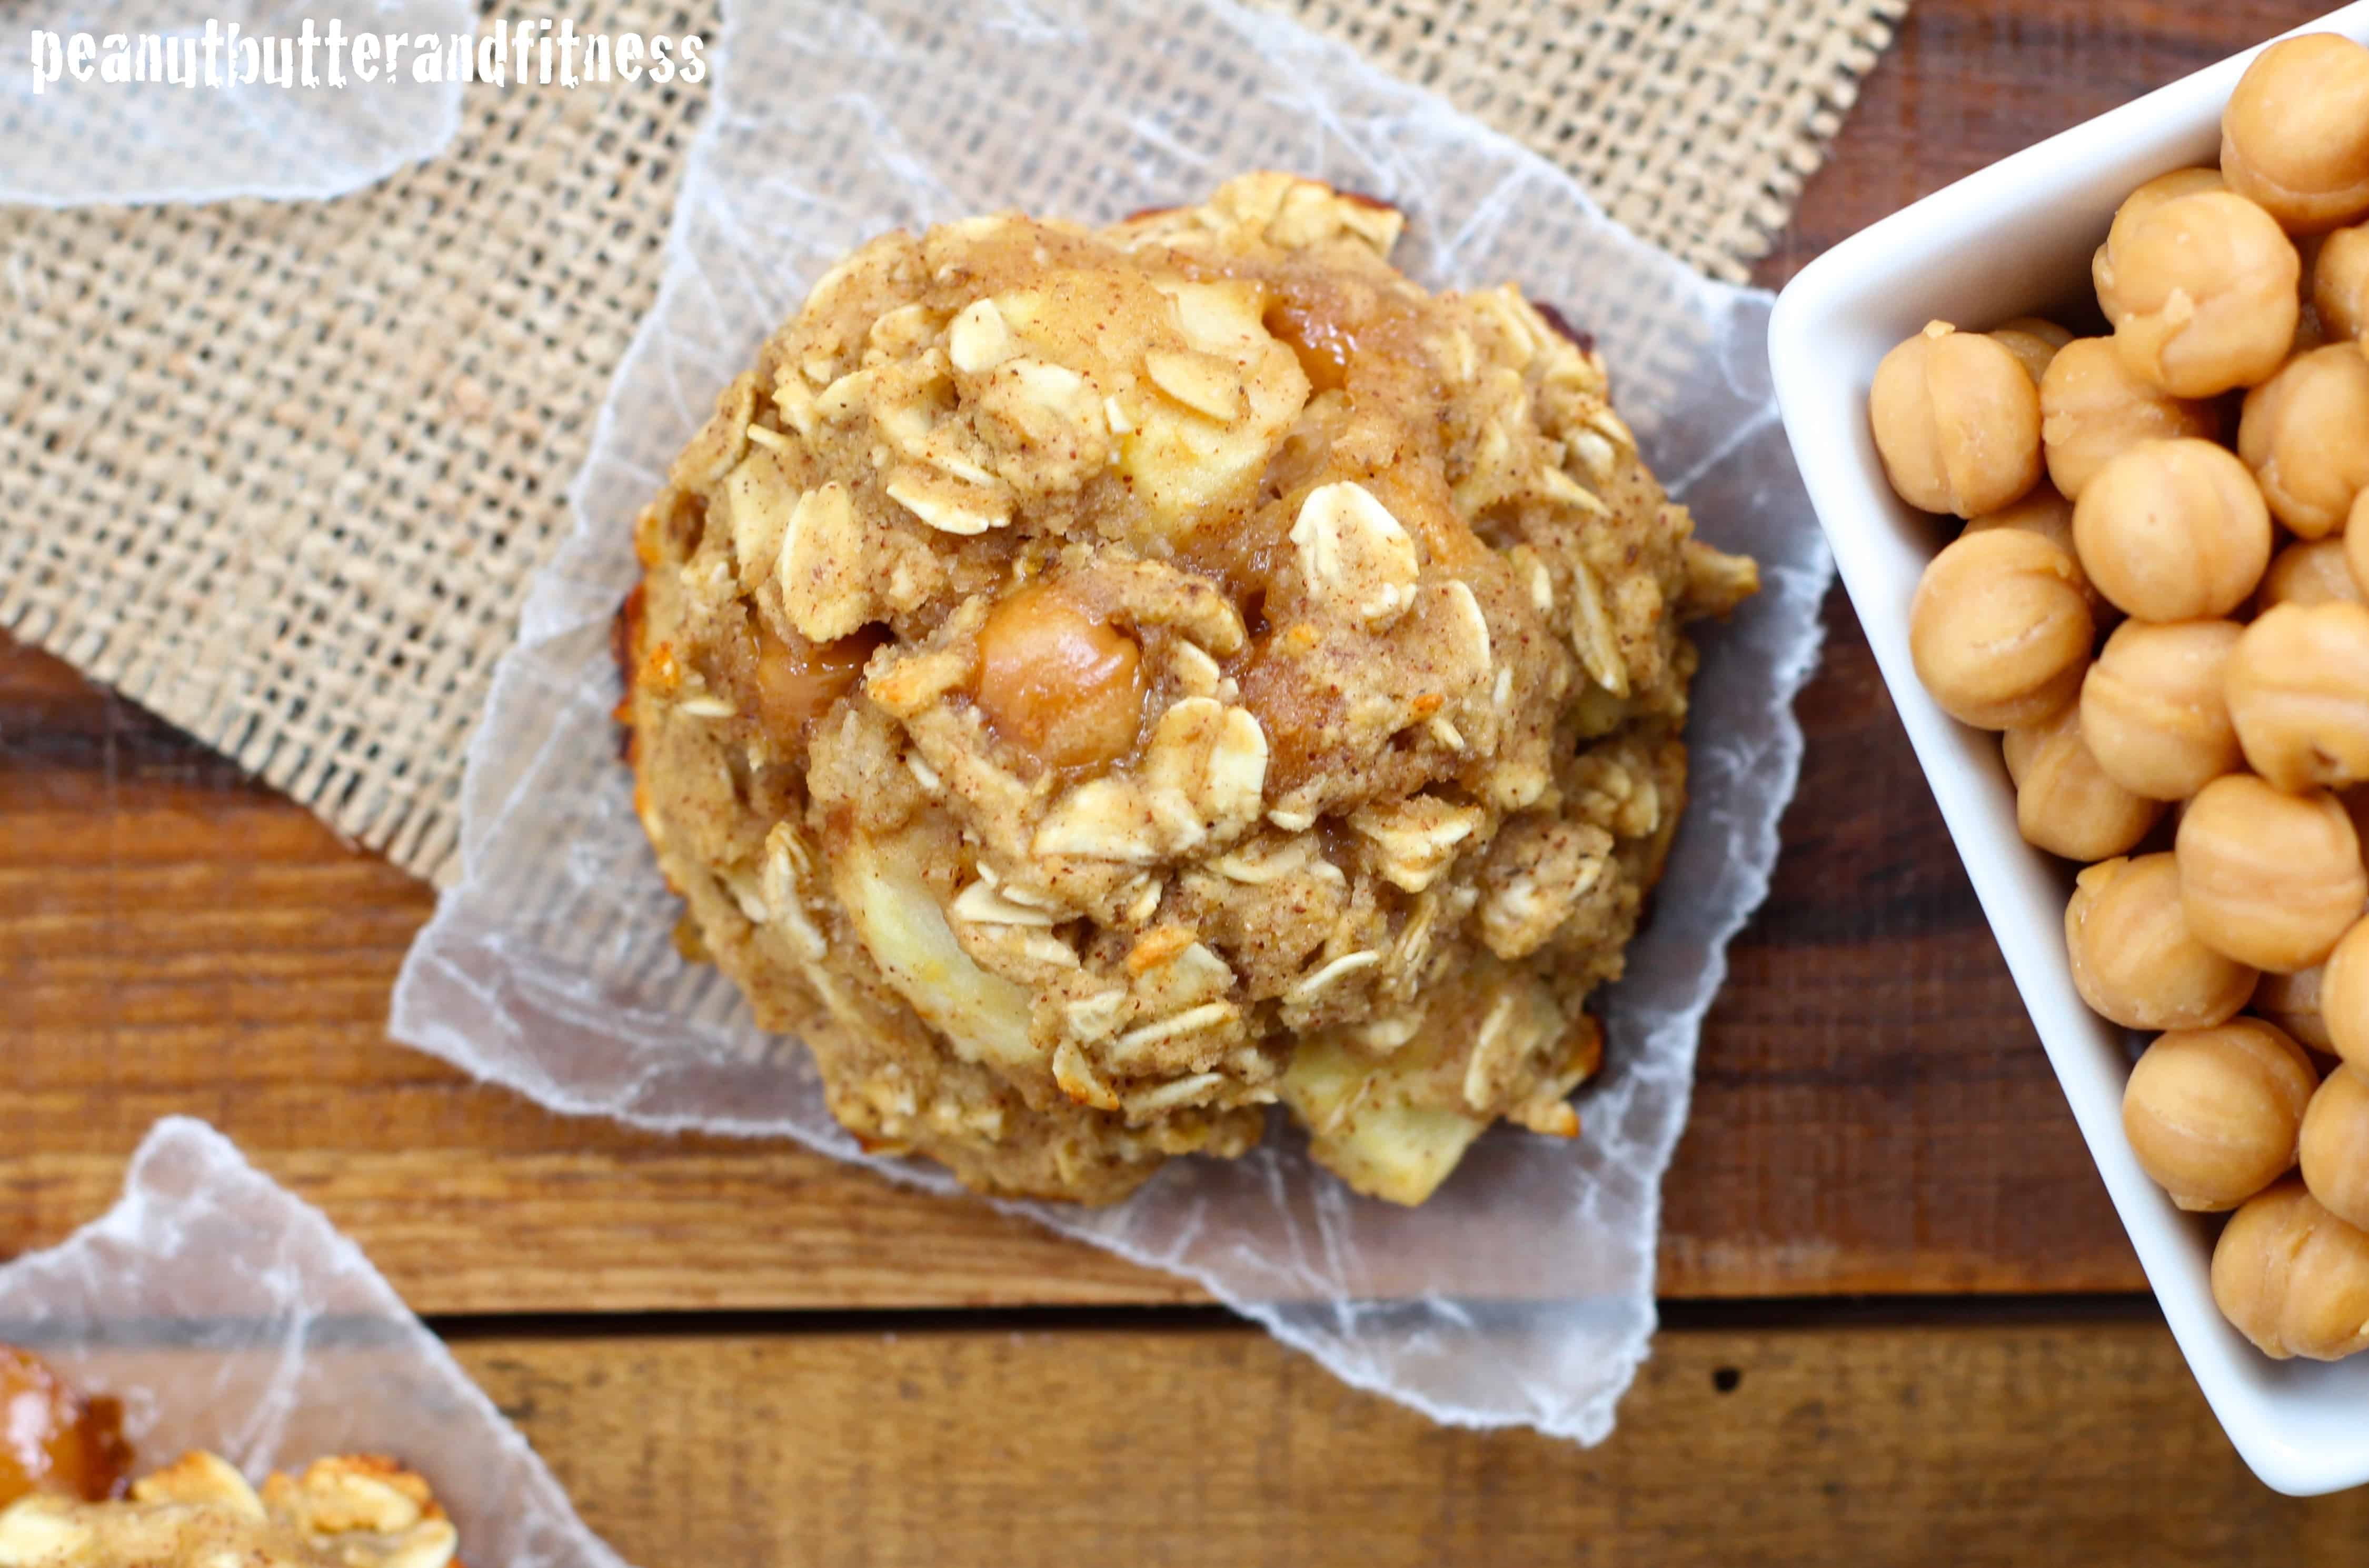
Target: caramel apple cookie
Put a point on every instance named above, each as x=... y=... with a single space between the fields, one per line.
x=1095 y=684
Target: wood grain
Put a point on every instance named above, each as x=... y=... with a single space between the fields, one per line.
x=2026 y=1445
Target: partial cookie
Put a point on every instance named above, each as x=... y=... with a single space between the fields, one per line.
x=353 y=1512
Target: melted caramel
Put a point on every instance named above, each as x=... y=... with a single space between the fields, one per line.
x=796 y=682
x=1323 y=344
x=52 y=1440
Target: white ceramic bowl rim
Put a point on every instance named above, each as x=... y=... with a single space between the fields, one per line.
x=2007 y=241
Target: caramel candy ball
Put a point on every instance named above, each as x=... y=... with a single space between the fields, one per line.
x=2163 y=188
x=2293 y=1277
x=2335 y=1145
x=2039 y=327
x=2340 y=283
x=2092 y=408
x=2292 y=1001
x=2212 y=1113
x=2135 y=959
x=2298 y=688
x=2033 y=341
x=2000 y=628
x=2295 y=136
x=2308 y=572
x=2173 y=530
x=2047 y=514
x=2208 y=292
x=2064 y=802
x=2305 y=436
x=1056 y=681
x=2344 y=997
x=2154 y=710
x=1957 y=421
x=2270 y=879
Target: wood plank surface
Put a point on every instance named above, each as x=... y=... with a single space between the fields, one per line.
x=1873 y=1112
x=2031 y=1444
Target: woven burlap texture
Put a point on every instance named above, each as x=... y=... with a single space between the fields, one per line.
x=278 y=472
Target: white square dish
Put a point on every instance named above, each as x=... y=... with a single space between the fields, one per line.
x=2016 y=239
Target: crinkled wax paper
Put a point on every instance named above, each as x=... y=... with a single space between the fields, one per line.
x=226 y=1313
x=1523 y=1291
x=68 y=142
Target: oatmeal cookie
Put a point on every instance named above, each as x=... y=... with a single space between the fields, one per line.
x=1096 y=684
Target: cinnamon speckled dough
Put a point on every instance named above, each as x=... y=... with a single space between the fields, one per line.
x=1392 y=611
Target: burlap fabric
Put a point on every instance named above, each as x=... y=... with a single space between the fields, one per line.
x=279 y=471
